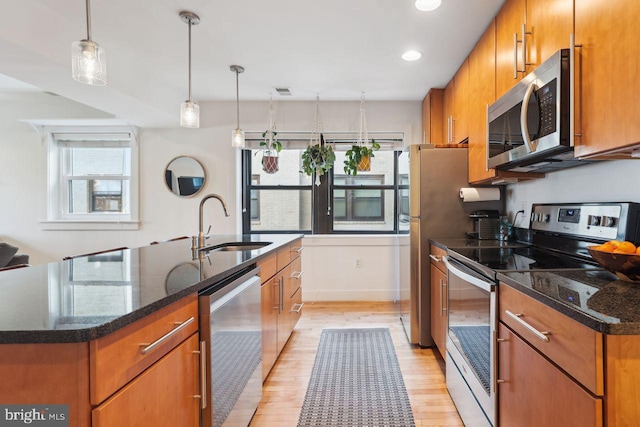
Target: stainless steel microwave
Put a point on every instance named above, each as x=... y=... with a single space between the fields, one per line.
x=528 y=127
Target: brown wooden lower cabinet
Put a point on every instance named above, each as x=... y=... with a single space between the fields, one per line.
x=533 y=392
x=439 y=324
x=158 y=397
x=269 y=325
x=281 y=276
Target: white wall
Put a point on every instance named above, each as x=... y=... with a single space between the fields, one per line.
x=605 y=181
x=163 y=215
x=352 y=268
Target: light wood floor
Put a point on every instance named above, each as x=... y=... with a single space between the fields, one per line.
x=286 y=385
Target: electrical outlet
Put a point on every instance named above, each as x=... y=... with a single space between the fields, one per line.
x=523 y=205
x=356 y=264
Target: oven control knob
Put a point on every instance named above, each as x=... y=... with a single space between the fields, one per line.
x=594 y=220
x=608 y=221
x=545 y=218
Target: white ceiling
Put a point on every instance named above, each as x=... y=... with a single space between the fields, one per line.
x=337 y=49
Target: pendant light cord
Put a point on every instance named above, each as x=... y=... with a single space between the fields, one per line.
x=88 y=3
x=189 y=23
x=237 y=102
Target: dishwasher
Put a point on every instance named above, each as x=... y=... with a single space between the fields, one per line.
x=231 y=338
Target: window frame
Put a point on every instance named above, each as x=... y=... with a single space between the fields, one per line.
x=350 y=197
x=58 y=181
x=322 y=198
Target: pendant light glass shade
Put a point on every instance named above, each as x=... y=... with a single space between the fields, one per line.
x=237 y=140
x=189 y=110
x=427 y=5
x=237 y=136
x=189 y=114
x=88 y=59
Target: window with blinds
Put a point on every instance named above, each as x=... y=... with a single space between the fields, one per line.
x=92 y=176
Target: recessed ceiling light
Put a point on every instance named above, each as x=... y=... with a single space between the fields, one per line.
x=411 y=55
x=428 y=5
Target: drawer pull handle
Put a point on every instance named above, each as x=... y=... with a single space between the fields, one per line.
x=146 y=348
x=298 y=250
x=296 y=275
x=297 y=310
x=517 y=317
x=435 y=258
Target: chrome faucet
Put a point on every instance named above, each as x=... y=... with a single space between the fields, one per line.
x=201 y=237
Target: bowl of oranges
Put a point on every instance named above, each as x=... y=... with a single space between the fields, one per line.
x=620 y=258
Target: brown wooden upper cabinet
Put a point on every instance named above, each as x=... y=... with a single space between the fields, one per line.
x=455 y=115
x=482 y=71
x=432 y=117
x=607 y=102
x=527 y=33
x=509 y=24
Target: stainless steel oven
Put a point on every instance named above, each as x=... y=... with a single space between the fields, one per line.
x=470 y=361
x=553 y=262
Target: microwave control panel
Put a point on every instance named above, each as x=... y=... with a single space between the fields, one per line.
x=547 y=101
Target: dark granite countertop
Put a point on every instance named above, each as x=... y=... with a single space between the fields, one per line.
x=595 y=298
x=88 y=297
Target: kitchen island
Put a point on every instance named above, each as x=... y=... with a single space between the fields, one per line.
x=80 y=332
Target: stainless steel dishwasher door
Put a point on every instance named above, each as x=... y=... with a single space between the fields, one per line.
x=231 y=326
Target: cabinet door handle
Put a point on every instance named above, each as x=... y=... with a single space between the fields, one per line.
x=298 y=309
x=298 y=250
x=277 y=306
x=296 y=275
x=524 y=50
x=435 y=258
x=453 y=129
x=282 y=294
x=515 y=55
x=443 y=297
x=517 y=317
x=146 y=348
x=203 y=375
x=572 y=92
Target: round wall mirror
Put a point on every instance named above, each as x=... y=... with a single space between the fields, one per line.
x=184 y=176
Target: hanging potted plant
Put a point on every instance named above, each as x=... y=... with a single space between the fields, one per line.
x=319 y=157
x=358 y=158
x=270 y=149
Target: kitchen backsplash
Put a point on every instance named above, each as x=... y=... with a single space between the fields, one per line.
x=605 y=181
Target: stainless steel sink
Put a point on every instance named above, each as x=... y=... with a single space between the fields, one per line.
x=237 y=246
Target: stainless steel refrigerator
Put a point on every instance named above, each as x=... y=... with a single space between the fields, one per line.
x=436 y=211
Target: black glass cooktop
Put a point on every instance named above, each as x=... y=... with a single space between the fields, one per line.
x=519 y=259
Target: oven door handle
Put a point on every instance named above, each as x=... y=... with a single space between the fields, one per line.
x=482 y=284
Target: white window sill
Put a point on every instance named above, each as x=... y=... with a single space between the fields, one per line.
x=89 y=225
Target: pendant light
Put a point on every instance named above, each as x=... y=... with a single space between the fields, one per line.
x=189 y=110
x=88 y=59
x=237 y=137
x=427 y=5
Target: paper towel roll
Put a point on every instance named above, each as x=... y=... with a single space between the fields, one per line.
x=479 y=194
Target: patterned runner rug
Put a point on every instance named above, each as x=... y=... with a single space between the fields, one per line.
x=356 y=381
